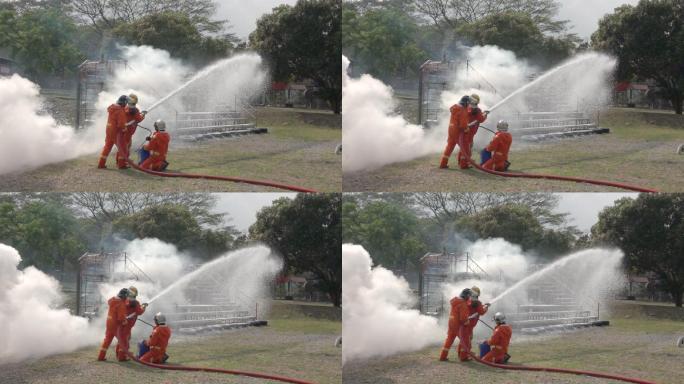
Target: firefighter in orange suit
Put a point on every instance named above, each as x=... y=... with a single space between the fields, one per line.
x=457 y=317
x=475 y=118
x=475 y=310
x=133 y=310
x=158 y=341
x=499 y=147
x=133 y=117
x=158 y=146
x=116 y=318
x=458 y=124
x=499 y=341
x=116 y=124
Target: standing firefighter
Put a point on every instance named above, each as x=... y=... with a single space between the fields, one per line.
x=475 y=310
x=158 y=341
x=457 y=127
x=158 y=146
x=116 y=318
x=116 y=125
x=475 y=118
x=499 y=341
x=499 y=147
x=133 y=117
x=457 y=317
x=133 y=310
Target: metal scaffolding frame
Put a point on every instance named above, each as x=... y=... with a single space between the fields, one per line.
x=92 y=78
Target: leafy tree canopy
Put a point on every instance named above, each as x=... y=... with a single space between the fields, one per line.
x=650 y=230
x=648 y=40
x=304 y=42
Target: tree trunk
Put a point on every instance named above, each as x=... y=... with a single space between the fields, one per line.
x=335 y=297
x=677 y=297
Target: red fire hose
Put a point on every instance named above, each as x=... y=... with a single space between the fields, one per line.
x=565 y=178
x=217 y=370
x=223 y=178
x=561 y=370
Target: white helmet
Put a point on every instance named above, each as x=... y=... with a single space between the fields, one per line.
x=499 y=317
x=160 y=125
x=502 y=126
x=159 y=318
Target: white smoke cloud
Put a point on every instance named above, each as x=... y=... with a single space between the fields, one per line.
x=31 y=138
x=33 y=323
x=375 y=135
x=36 y=324
x=377 y=317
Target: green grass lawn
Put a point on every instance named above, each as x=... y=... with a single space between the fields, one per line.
x=296 y=347
x=643 y=348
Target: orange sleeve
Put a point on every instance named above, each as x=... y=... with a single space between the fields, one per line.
x=481 y=117
x=139 y=310
x=481 y=310
x=154 y=338
x=139 y=117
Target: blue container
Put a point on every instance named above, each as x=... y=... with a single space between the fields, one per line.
x=484 y=349
x=484 y=156
x=142 y=349
x=143 y=155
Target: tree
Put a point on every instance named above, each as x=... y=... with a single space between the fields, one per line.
x=650 y=231
x=382 y=41
x=518 y=32
x=389 y=232
x=304 y=42
x=46 y=234
x=648 y=40
x=447 y=207
x=105 y=15
x=41 y=40
x=306 y=232
x=174 y=224
x=176 y=33
x=518 y=224
x=450 y=14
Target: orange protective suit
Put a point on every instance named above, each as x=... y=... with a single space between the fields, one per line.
x=475 y=118
x=499 y=147
x=133 y=310
x=457 y=127
x=466 y=335
x=116 y=124
x=116 y=318
x=157 y=342
x=133 y=117
x=158 y=147
x=457 y=317
x=499 y=344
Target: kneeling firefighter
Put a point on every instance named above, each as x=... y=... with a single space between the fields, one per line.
x=158 y=341
x=499 y=148
x=158 y=146
x=498 y=343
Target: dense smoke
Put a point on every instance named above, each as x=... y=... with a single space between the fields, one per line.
x=375 y=135
x=379 y=306
x=37 y=324
x=32 y=321
x=378 y=319
x=31 y=138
